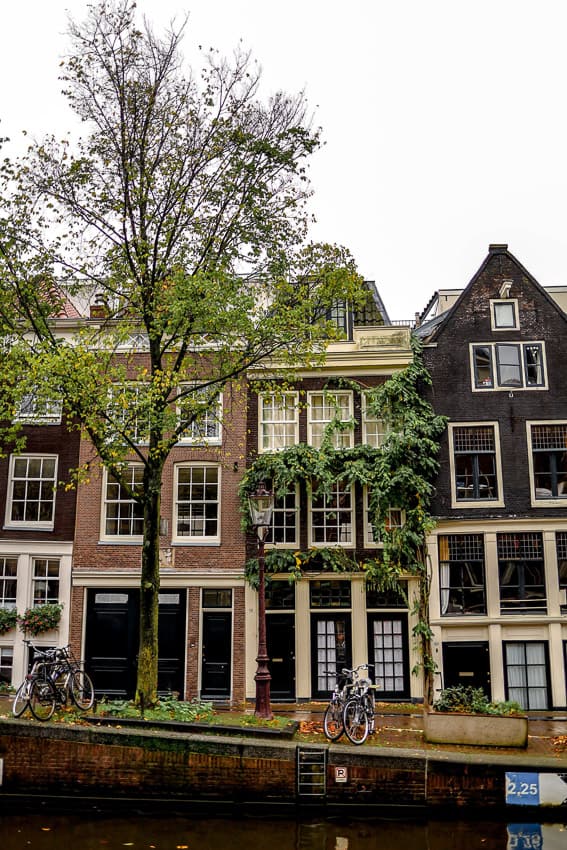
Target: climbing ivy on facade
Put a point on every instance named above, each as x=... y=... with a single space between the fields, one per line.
x=399 y=473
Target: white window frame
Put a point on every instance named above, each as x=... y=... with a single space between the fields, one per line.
x=44 y=525
x=551 y=501
x=342 y=439
x=374 y=429
x=45 y=579
x=267 y=439
x=498 y=387
x=50 y=411
x=278 y=510
x=475 y=503
x=369 y=541
x=344 y=544
x=191 y=435
x=105 y=501
x=197 y=539
x=8 y=651
x=136 y=388
x=4 y=578
x=513 y=302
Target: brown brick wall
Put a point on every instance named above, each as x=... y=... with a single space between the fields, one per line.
x=166 y=766
x=96 y=761
x=90 y=553
x=47 y=439
x=206 y=560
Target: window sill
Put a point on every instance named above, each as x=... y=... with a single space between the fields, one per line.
x=120 y=541
x=190 y=541
x=549 y=502
x=477 y=503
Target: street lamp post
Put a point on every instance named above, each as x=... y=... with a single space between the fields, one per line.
x=261 y=505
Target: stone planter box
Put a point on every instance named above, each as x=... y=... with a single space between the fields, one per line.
x=482 y=730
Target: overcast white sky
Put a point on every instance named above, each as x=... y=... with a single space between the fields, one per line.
x=445 y=121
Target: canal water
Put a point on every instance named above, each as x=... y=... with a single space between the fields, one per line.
x=51 y=832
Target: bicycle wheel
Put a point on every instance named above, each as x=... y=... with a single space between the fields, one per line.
x=21 y=699
x=82 y=691
x=333 y=721
x=43 y=699
x=356 y=721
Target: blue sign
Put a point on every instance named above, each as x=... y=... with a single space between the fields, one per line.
x=522 y=789
x=525 y=836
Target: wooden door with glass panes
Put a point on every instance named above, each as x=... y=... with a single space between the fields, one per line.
x=388 y=652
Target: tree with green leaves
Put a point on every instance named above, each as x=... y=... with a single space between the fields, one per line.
x=182 y=213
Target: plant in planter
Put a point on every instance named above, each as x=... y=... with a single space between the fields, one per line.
x=465 y=715
x=8 y=619
x=42 y=618
x=469 y=700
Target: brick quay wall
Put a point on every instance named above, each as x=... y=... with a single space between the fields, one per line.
x=113 y=764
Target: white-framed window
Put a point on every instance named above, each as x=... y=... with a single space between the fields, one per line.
x=31 y=491
x=395 y=518
x=8 y=581
x=508 y=366
x=504 y=315
x=200 y=415
x=526 y=665
x=128 y=409
x=123 y=515
x=45 y=583
x=331 y=516
x=284 y=529
x=197 y=503
x=6 y=664
x=547 y=455
x=278 y=415
x=521 y=572
x=374 y=430
x=462 y=574
x=475 y=461
x=325 y=407
x=39 y=411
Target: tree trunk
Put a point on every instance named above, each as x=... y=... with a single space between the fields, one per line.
x=426 y=648
x=146 y=686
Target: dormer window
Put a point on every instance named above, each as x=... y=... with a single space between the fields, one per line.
x=341 y=316
x=504 y=315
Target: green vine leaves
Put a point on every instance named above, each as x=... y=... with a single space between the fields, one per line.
x=399 y=473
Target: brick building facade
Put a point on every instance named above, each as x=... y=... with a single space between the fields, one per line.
x=499 y=552
x=38 y=527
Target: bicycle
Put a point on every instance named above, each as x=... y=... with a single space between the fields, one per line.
x=358 y=716
x=71 y=681
x=333 y=721
x=37 y=692
x=56 y=677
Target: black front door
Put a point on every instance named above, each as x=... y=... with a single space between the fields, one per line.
x=330 y=650
x=111 y=645
x=388 y=653
x=112 y=641
x=217 y=653
x=171 y=641
x=280 y=638
x=467 y=664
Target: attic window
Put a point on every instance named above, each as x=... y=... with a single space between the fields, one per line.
x=504 y=315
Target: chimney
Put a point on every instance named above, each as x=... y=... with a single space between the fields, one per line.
x=98 y=309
